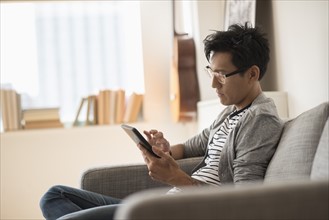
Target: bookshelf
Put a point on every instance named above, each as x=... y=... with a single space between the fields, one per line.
x=108 y=107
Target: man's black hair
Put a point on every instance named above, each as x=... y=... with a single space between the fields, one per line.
x=248 y=46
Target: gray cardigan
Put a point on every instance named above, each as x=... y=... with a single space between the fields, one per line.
x=250 y=145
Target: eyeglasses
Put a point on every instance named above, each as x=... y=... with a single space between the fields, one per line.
x=221 y=78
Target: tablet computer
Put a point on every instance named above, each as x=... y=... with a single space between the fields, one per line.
x=138 y=138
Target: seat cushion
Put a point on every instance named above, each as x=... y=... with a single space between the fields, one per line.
x=320 y=168
x=294 y=156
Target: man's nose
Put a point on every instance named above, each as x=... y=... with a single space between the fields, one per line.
x=215 y=83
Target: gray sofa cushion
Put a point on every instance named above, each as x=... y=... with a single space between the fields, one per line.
x=320 y=169
x=294 y=156
x=120 y=181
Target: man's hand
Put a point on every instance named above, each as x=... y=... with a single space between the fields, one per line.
x=156 y=138
x=165 y=169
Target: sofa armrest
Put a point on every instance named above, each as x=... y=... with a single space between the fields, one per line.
x=306 y=200
x=120 y=181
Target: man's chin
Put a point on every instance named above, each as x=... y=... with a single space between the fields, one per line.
x=223 y=101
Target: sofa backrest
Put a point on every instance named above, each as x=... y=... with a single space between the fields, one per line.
x=294 y=156
x=320 y=168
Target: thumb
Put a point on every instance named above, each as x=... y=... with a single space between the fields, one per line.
x=159 y=152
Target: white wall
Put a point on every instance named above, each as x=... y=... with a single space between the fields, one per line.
x=211 y=14
x=301 y=51
x=157 y=42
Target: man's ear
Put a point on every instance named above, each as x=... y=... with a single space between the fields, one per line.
x=254 y=73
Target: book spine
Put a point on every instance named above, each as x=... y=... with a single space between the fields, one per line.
x=120 y=106
x=100 y=107
x=4 y=109
x=133 y=108
x=10 y=109
x=76 y=120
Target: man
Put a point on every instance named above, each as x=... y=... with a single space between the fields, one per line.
x=237 y=147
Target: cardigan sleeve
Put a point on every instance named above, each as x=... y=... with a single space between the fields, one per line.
x=197 y=145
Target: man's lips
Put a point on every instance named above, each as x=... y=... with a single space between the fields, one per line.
x=219 y=93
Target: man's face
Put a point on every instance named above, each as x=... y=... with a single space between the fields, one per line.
x=236 y=89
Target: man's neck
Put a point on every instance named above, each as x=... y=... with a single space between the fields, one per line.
x=254 y=93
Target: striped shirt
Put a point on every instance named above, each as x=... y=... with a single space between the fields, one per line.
x=209 y=173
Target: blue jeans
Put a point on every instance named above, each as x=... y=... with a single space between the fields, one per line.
x=59 y=201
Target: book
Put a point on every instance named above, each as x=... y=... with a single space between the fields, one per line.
x=19 y=111
x=39 y=114
x=134 y=106
x=100 y=107
x=83 y=102
x=120 y=106
x=108 y=107
x=41 y=118
x=4 y=109
x=105 y=110
x=87 y=111
x=92 y=110
x=107 y=101
x=43 y=124
x=112 y=106
x=10 y=109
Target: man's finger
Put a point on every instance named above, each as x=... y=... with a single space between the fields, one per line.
x=146 y=152
x=159 y=152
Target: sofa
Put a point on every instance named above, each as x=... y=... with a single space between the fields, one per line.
x=295 y=185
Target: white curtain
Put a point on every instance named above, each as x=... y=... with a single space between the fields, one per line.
x=83 y=47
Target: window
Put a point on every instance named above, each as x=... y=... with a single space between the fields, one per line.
x=55 y=53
